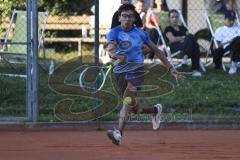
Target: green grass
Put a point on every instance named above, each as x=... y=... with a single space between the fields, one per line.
x=215 y=96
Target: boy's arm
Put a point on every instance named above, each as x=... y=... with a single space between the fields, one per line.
x=111 y=49
x=162 y=57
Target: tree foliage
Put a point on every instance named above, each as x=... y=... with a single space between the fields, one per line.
x=55 y=7
x=67 y=7
x=6 y=7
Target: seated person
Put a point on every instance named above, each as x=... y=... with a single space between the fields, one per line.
x=139 y=4
x=157 y=7
x=228 y=39
x=180 y=39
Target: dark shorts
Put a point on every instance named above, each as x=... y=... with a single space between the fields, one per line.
x=135 y=77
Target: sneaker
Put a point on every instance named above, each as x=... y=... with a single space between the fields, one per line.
x=233 y=69
x=196 y=73
x=185 y=60
x=115 y=136
x=156 y=119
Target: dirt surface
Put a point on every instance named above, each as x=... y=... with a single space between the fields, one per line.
x=137 y=145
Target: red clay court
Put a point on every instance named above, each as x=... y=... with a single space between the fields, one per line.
x=77 y=144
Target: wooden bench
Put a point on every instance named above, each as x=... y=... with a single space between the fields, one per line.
x=68 y=22
x=75 y=23
x=58 y=23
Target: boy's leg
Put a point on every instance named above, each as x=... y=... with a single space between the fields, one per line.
x=155 y=110
x=123 y=118
x=144 y=108
x=139 y=107
x=130 y=91
x=116 y=135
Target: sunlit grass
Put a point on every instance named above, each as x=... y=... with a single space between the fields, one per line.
x=215 y=96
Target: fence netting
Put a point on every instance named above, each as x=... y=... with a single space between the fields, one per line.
x=66 y=47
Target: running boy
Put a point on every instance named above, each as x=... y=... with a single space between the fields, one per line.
x=131 y=39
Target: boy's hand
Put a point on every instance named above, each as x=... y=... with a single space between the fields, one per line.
x=176 y=74
x=121 y=58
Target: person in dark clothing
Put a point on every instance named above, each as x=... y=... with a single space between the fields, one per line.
x=181 y=40
x=115 y=18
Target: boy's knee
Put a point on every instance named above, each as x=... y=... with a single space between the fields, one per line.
x=134 y=109
x=131 y=88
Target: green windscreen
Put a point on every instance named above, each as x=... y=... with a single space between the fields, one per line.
x=216 y=20
x=20 y=31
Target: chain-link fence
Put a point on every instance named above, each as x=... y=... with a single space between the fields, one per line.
x=13 y=82
x=16 y=62
x=68 y=45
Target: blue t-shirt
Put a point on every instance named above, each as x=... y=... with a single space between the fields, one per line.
x=130 y=42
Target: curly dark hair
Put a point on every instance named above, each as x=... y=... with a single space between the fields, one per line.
x=164 y=5
x=126 y=7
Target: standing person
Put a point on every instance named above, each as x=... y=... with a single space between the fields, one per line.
x=131 y=38
x=228 y=38
x=157 y=7
x=115 y=18
x=180 y=39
